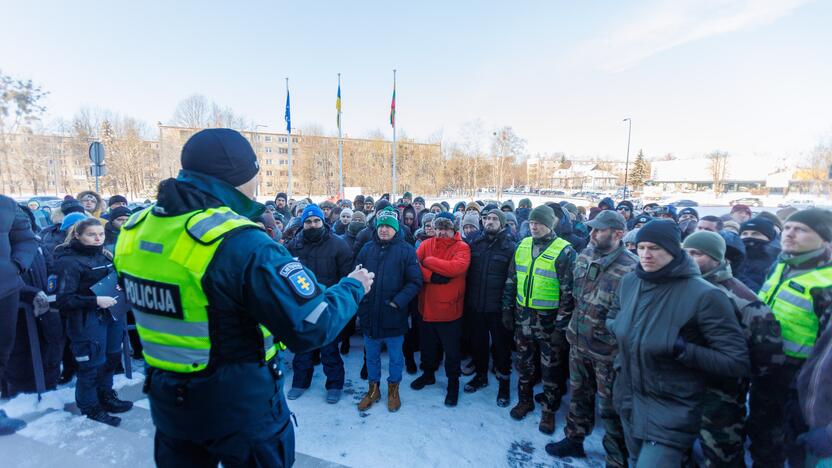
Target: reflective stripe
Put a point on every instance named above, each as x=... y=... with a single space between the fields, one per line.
x=546 y=273
x=765 y=287
x=174 y=326
x=793 y=299
x=316 y=314
x=797 y=349
x=522 y=268
x=200 y=228
x=151 y=246
x=543 y=303
x=176 y=354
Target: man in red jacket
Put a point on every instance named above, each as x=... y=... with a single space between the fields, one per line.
x=444 y=260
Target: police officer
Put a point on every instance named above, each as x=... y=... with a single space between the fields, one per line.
x=537 y=292
x=799 y=292
x=212 y=293
x=598 y=271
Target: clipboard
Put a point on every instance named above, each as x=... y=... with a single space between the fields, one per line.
x=108 y=286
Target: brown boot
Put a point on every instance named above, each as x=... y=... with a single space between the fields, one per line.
x=372 y=396
x=393 y=400
x=547 y=422
x=526 y=403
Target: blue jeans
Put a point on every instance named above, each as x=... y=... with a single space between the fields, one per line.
x=303 y=369
x=372 y=347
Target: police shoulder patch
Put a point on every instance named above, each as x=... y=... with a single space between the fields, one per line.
x=290 y=268
x=302 y=284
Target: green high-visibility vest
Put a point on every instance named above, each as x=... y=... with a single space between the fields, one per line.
x=537 y=284
x=162 y=261
x=792 y=304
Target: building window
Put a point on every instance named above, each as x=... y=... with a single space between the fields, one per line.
x=294 y=139
x=268 y=149
x=268 y=162
x=268 y=173
x=268 y=184
x=284 y=162
x=283 y=140
x=268 y=138
x=284 y=150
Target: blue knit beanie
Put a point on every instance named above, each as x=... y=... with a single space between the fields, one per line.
x=311 y=210
x=71 y=219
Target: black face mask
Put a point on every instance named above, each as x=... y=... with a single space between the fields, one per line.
x=313 y=234
x=77 y=246
x=754 y=244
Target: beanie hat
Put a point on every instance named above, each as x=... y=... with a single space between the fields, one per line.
x=359 y=216
x=419 y=200
x=407 y=195
x=544 y=215
x=346 y=211
x=311 y=210
x=630 y=237
x=444 y=220
x=427 y=218
x=116 y=199
x=508 y=204
x=119 y=211
x=709 y=243
x=439 y=205
x=500 y=215
x=525 y=203
x=369 y=199
x=771 y=217
x=473 y=206
x=488 y=207
x=664 y=233
x=71 y=219
x=761 y=225
x=643 y=218
x=381 y=204
x=222 y=153
x=281 y=195
x=732 y=226
x=355 y=227
x=471 y=219
x=387 y=217
x=818 y=219
x=446 y=205
x=559 y=211
x=510 y=217
x=741 y=207
x=571 y=208
x=784 y=213
x=71 y=206
x=690 y=211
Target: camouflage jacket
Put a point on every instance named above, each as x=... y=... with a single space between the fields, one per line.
x=596 y=282
x=760 y=327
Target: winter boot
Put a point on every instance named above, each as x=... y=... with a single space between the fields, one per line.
x=333 y=395
x=468 y=367
x=547 y=422
x=425 y=379
x=393 y=400
x=526 y=404
x=540 y=398
x=110 y=403
x=452 y=397
x=372 y=396
x=98 y=414
x=295 y=393
x=566 y=448
x=504 y=393
x=9 y=425
x=479 y=381
x=345 y=346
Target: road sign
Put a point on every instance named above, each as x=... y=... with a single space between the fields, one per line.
x=97 y=153
x=98 y=171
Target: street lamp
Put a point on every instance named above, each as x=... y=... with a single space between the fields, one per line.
x=627 y=161
x=256 y=151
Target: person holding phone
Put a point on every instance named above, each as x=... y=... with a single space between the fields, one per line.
x=95 y=334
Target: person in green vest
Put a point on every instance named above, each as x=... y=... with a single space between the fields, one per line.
x=537 y=306
x=212 y=293
x=799 y=292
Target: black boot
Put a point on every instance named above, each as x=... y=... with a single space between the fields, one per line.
x=504 y=393
x=566 y=448
x=345 y=346
x=452 y=397
x=540 y=398
x=111 y=404
x=479 y=381
x=425 y=379
x=98 y=414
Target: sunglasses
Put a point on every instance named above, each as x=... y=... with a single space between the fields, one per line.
x=623 y=208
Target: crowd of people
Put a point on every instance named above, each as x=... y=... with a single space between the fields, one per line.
x=694 y=334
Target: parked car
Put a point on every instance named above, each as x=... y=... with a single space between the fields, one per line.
x=800 y=204
x=684 y=203
x=750 y=201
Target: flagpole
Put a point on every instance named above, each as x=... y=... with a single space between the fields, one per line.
x=289 y=131
x=340 y=146
x=393 y=192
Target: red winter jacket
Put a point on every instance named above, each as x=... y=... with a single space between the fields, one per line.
x=449 y=258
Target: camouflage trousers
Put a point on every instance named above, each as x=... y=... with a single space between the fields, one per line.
x=535 y=333
x=589 y=376
x=723 y=423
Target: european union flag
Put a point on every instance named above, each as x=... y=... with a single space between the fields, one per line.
x=288 y=115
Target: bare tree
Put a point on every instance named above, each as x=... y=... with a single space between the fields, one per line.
x=507 y=148
x=718 y=167
x=20 y=106
x=196 y=111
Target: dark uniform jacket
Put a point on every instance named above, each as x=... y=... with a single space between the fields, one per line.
x=657 y=391
x=245 y=288
x=329 y=257
x=597 y=277
x=491 y=257
x=17 y=246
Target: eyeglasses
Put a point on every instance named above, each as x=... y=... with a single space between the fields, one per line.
x=623 y=208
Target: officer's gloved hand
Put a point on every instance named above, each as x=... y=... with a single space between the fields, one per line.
x=40 y=305
x=818 y=441
x=436 y=278
x=508 y=318
x=562 y=322
x=679 y=347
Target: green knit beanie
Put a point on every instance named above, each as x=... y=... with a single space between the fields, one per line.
x=387 y=217
x=818 y=219
x=543 y=215
x=707 y=242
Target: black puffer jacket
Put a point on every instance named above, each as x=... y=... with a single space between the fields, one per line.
x=490 y=260
x=17 y=246
x=78 y=270
x=759 y=258
x=658 y=392
x=329 y=258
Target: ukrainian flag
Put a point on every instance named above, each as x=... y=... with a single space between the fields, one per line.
x=338 y=104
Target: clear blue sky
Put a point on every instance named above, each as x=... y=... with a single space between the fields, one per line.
x=748 y=77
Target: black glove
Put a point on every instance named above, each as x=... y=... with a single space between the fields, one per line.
x=508 y=319
x=818 y=441
x=436 y=278
x=679 y=347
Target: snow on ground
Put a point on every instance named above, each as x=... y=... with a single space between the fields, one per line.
x=424 y=432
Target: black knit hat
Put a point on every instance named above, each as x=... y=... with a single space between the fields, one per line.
x=116 y=199
x=71 y=206
x=818 y=219
x=118 y=212
x=222 y=153
x=664 y=233
x=761 y=225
